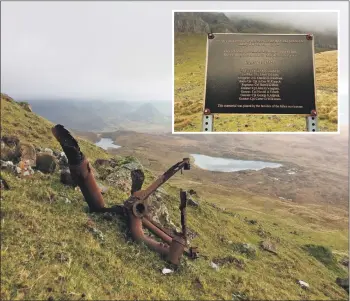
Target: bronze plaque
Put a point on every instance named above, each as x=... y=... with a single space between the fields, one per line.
x=260 y=74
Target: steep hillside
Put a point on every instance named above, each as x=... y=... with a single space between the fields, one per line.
x=52 y=249
x=17 y=121
x=190 y=60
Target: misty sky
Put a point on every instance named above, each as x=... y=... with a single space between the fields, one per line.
x=317 y=21
x=113 y=50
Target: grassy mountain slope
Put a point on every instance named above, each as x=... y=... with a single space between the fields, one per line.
x=35 y=129
x=190 y=56
x=48 y=250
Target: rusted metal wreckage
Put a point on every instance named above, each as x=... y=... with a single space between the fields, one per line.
x=135 y=208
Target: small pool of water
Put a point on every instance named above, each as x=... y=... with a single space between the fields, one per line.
x=106 y=143
x=230 y=165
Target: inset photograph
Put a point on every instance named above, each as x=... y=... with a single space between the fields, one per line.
x=255 y=72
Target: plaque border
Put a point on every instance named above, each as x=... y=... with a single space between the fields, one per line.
x=259 y=34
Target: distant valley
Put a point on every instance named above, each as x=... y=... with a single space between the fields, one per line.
x=320 y=163
x=101 y=116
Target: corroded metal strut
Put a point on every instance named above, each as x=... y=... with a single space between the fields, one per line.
x=136 y=207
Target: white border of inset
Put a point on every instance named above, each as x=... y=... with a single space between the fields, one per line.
x=252 y=11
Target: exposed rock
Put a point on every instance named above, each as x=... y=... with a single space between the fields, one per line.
x=345 y=261
x=192 y=202
x=10 y=141
x=46 y=163
x=103 y=188
x=98 y=234
x=269 y=246
x=238 y=296
x=239 y=263
x=26 y=170
x=132 y=166
x=245 y=248
x=262 y=233
x=18 y=170
x=102 y=162
x=26 y=106
x=48 y=151
x=62 y=160
x=121 y=177
x=66 y=177
x=303 y=284
x=214 y=266
x=62 y=257
x=7 y=165
x=343 y=282
x=27 y=153
x=3 y=184
x=9 y=153
x=251 y=221
x=158 y=211
x=2 y=145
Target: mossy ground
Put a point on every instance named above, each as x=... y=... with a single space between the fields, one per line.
x=189 y=70
x=49 y=250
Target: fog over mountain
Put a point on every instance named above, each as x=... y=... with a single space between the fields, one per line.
x=326 y=22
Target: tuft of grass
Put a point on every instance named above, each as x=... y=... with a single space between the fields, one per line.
x=189 y=81
x=321 y=253
x=324 y=255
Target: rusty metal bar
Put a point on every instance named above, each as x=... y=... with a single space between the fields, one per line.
x=159 y=226
x=84 y=178
x=139 y=236
x=144 y=194
x=176 y=250
x=157 y=231
x=80 y=168
x=183 y=203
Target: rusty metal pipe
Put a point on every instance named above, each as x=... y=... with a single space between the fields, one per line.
x=80 y=168
x=138 y=235
x=177 y=248
x=156 y=231
x=144 y=194
x=159 y=226
x=82 y=175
